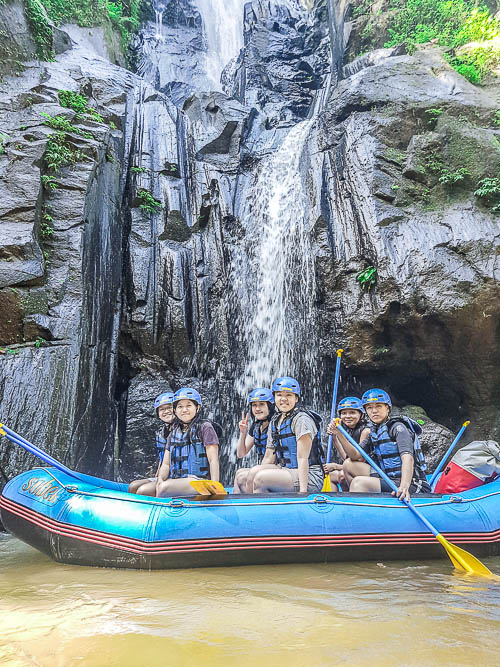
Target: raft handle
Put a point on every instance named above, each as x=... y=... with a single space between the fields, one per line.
x=320 y=499
x=457 y=499
x=176 y=503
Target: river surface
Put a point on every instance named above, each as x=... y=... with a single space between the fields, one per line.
x=405 y=613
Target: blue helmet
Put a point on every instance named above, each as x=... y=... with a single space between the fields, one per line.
x=189 y=393
x=350 y=403
x=164 y=399
x=261 y=394
x=286 y=384
x=376 y=396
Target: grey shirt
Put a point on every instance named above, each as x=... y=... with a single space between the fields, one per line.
x=301 y=424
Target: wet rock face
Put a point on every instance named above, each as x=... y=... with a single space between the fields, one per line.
x=132 y=290
x=285 y=61
x=391 y=201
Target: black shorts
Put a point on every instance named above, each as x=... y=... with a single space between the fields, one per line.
x=417 y=486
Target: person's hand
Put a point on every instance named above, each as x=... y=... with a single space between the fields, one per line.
x=403 y=492
x=330 y=467
x=243 y=425
x=332 y=428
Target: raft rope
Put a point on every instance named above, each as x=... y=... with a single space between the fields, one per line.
x=317 y=500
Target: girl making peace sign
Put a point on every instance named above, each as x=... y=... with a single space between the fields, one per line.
x=261 y=402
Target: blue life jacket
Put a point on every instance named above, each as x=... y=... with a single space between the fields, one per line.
x=187 y=454
x=260 y=439
x=161 y=440
x=285 y=442
x=386 y=452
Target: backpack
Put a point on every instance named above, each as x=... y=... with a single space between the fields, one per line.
x=473 y=465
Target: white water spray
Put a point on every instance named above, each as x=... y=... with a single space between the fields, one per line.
x=223 y=28
x=277 y=271
x=159 y=24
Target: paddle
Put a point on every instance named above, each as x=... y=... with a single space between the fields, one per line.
x=462 y=560
x=208 y=487
x=28 y=446
x=327 y=484
x=448 y=452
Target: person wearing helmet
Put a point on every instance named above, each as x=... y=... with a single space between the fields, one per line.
x=353 y=419
x=192 y=448
x=261 y=402
x=394 y=445
x=294 y=452
x=165 y=412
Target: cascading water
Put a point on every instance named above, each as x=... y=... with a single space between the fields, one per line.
x=223 y=28
x=278 y=282
x=159 y=24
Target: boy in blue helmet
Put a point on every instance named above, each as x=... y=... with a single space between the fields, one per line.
x=394 y=446
x=192 y=449
x=294 y=454
x=165 y=412
x=261 y=402
x=353 y=418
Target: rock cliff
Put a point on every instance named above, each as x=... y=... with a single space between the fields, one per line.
x=130 y=264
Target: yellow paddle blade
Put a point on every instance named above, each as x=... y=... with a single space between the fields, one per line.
x=327 y=485
x=464 y=561
x=208 y=487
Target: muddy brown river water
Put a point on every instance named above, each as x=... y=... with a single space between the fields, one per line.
x=401 y=613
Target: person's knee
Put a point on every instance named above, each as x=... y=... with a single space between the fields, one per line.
x=135 y=485
x=359 y=485
x=259 y=481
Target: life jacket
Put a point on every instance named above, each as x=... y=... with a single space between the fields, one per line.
x=386 y=449
x=473 y=465
x=260 y=439
x=187 y=453
x=285 y=442
x=355 y=434
x=161 y=440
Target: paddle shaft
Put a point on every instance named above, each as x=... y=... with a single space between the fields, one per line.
x=334 y=403
x=387 y=479
x=448 y=452
x=33 y=449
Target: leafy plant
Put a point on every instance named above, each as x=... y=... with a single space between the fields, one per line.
x=433 y=115
x=368 y=277
x=62 y=124
x=45 y=229
x=450 y=23
x=147 y=202
x=72 y=100
x=451 y=177
x=139 y=170
x=489 y=189
x=40 y=28
x=40 y=341
x=49 y=182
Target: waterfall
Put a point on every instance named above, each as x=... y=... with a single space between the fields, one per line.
x=275 y=273
x=159 y=24
x=223 y=28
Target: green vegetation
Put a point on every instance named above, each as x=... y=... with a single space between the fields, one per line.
x=59 y=154
x=49 y=182
x=451 y=177
x=3 y=137
x=368 y=277
x=78 y=103
x=62 y=124
x=40 y=341
x=40 y=27
x=122 y=15
x=489 y=190
x=139 y=170
x=147 y=202
x=452 y=24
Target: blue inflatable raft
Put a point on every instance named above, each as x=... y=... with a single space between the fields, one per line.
x=90 y=521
